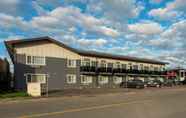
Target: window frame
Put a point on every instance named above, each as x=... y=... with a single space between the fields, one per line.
x=87 y=78
x=70 y=65
x=35 y=74
x=71 y=82
x=32 y=60
x=106 y=81
x=115 y=80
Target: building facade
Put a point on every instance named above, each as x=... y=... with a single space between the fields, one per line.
x=59 y=66
x=177 y=73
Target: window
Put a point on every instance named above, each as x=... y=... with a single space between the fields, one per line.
x=93 y=63
x=155 y=68
x=85 y=62
x=117 y=65
x=151 y=67
x=40 y=78
x=35 y=60
x=71 y=79
x=182 y=75
x=86 y=79
x=124 y=66
x=103 y=64
x=117 y=80
x=130 y=66
x=110 y=65
x=103 y=79
x=141 y=67
x=71 y=63
x=135 y=67
x=146 y=68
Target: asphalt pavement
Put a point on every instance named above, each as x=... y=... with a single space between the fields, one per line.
x=144 y=103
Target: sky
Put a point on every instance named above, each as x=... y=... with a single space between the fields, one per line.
x=153 y=29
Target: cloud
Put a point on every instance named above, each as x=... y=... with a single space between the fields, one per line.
x=40 y=10
x=164 y=14
x=92 y=42
x=177 y=5
x=114 y=10
x=121 y=10
x=9 y=6
x=172 y=11
x=146 y=28
x=8 y=21
x=65 y=17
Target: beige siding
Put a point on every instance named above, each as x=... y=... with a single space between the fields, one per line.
x=121 y=61
x=49 y=49
x=46 y=49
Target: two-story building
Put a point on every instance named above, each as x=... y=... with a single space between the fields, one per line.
x=59 y=66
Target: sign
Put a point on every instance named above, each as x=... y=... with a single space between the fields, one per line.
x=34 y=89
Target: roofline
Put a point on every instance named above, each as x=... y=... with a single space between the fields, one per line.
x=10 y=44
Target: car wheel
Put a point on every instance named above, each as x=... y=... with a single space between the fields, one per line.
x=158 y=86
x=137 y=87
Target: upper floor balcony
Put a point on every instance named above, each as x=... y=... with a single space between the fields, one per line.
x=105 y=70
x=88 y=69
x=110 y=70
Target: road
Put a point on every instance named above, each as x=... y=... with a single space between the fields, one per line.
x=147 y=103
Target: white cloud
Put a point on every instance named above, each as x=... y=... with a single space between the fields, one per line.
x=92 y=42
x=164 y=14
x=8 y=21
x=177 y=5
x=9 y=6
x=40 y=10
x=146 y=28
x=65 y=17
x=172 y=11
x=121 y=10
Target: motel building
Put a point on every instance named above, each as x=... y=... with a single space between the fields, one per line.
x=57 y=66
x=176 y=73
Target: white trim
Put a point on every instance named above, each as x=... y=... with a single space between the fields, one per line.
x=73 y=81
x=88 y=79
x=44 y=62
x=103 y=79
x=117 y=80
x=74 y=63
x=36 y=75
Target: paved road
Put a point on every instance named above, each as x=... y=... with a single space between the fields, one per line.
x=148 y=103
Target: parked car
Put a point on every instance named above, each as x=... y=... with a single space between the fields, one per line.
x=133 y=84
x=177 y=82
x=154 y=83
x=184 y=82
x=168 y=82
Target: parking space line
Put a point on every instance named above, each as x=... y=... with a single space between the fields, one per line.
x=84 y=109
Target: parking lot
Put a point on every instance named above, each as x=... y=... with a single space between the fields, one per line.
x=168 y=102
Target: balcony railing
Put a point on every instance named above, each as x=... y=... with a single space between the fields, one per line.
x=133 y=71
x=91 y=69
x=104 y=70
x=88 y=69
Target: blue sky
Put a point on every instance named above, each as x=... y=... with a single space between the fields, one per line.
x=142 y=28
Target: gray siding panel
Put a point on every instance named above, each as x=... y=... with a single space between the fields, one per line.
x=55 y=68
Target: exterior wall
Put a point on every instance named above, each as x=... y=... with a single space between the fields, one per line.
x=56 y=66
x=122 y=62
x=47 y=49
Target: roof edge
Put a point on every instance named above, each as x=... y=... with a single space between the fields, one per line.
x=9 y=45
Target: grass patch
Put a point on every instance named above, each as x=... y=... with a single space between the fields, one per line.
x=13 y=95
